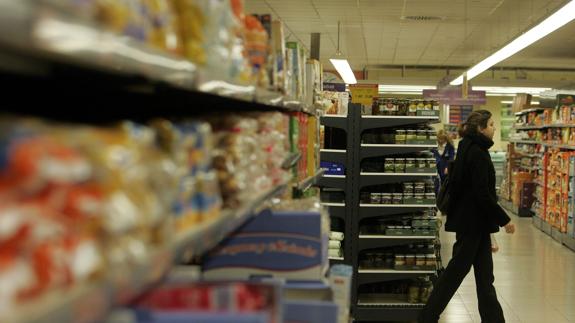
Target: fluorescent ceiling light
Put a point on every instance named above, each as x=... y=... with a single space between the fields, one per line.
x=547 y=26
x=491 y=90
x=510 y=90
x=404 y=88
x=511 y=102
x=344 y=70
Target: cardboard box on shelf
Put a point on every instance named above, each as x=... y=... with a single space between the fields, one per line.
x=288 y=245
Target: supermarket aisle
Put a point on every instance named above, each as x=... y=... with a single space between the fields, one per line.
x=534 y=277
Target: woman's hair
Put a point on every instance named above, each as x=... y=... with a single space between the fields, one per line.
x=443 y=136
x=476 y=121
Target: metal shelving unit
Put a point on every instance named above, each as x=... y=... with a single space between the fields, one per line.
x=354 y=212
x=48 y=49
x=48 y=43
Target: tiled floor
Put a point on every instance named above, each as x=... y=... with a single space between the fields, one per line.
x=534 y=278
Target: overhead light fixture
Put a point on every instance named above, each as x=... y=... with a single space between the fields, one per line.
x=511 y=102
x=404 y=88
x=509 y=90
x=341 y=64
x=557 y=20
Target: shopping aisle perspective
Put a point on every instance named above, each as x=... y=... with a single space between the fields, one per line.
x=533 y=277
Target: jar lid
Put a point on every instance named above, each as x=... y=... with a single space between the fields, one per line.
x=399 y=130
x=410 y=256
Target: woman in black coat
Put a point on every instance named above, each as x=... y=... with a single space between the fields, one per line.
x=473 y=215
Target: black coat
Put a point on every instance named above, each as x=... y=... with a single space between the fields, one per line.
x=473 y=197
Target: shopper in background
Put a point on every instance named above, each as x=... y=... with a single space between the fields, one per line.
x=473 y=214
x=444 y=153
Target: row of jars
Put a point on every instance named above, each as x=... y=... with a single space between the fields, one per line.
x=419 y=291
x=402 y=107
x=400 y=165
x=402 y=135
x=390 y=260
x=396 y=198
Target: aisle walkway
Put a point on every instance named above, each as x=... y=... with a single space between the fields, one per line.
x=534 y=278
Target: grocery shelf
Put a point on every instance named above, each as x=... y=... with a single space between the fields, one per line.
x=375 y=150
x=371 y=122
x=398 y=312
x=47 y=40
x=208 y=234
x=528 y=127
x=336 y=258
x=310 y=181
x=525 y=142
x=334 y=181
x=334 y=155
x=333 y=204
x=376 y=210
x=334 y=121
x=396 y=205
x=368 y=276
x=384 y=241
x=529 y=110
x=386 y=237
x=91 y=302
x=369 y=179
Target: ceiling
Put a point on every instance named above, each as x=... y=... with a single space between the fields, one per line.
x=466 y=31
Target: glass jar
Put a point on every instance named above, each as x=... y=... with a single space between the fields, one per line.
x=411 y=135
x=419 y=197
x=402 y=107
x=429 y=187
x=389 y=165
x=400 y=136
x=425 y=291
x=412 y=110
x=408 y=189
x=432 y=135
x=390 y=107
x=420 y=260
x=413 y=293
x=386 y=198
x=409 y=163
x=430 y=163
x=410 y=260
x=397 y=198
x=419 y=188
x=399 y=260
x=422 y=134
x=420 y=106
x=431 y=260
x=375 y=198
x=435 y=105
x=399 y=165
x=420 y=163
x=427 y=105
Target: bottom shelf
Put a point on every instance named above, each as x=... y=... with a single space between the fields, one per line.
x=569 y=241
x=389 y=312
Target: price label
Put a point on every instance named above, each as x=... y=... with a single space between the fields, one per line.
x=363 y=93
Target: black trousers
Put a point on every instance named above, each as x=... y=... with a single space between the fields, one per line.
x=470 y=249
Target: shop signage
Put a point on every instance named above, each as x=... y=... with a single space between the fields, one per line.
x=363 y=93
x=334 y=87
x=455 y=97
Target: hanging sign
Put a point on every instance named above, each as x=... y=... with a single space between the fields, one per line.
x=363 y=93
x=455 y=97
x=334 y=87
